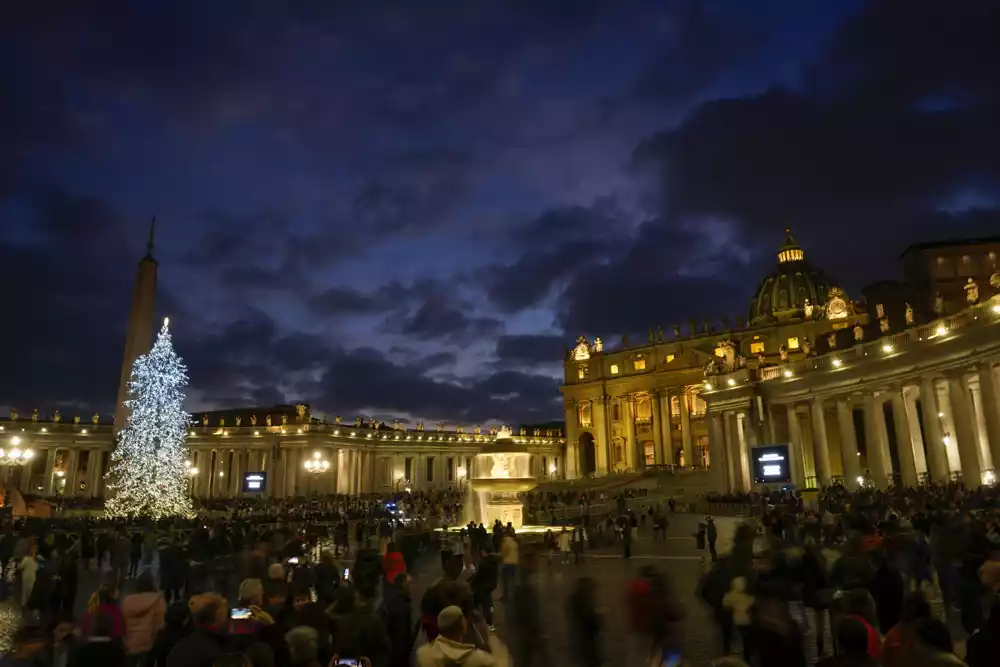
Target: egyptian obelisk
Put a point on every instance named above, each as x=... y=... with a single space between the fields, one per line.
x=139 y=335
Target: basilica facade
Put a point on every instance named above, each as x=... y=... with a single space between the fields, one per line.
x=900 y=389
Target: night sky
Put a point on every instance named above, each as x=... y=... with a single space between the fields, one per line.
x=410 y=209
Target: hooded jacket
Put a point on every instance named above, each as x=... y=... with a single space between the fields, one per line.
x=444 y=652
x=143 y=614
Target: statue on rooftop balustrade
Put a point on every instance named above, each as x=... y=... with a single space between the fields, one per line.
x=253 y=420
x=239 y=420
x=338 y=420
x=284 y=419
x=13 y=414
x=909 y=314
x=831 y=341
x=56 y=417
x=859 y=332
x=938 y=304
x=96 y=418
x=268 y=420
x=34 y=415
x=76 y=419
x=204 y=420
x=883 y=325
x=972 y=291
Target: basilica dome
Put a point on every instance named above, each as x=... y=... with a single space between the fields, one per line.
x=783 y=293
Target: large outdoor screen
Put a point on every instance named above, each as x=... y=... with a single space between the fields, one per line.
x=771 y=465
x=254 y=482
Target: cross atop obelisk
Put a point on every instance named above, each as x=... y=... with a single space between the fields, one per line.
x=139 y=335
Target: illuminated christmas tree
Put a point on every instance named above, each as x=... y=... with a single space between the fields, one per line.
x=147 y=476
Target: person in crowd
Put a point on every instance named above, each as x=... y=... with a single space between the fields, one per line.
x=484 y=582
x=358 y=632
x=449 y=650
x=104 y=602
x=392 y=562
x=207 y=641
x=144 y=612
x=852 y=646
x=524 y=616
x=60 y=644
x=888 y=590
x=585 y=623
x=934 y=646
x=303 y=647
x=28 y=567
x=233 y=660
x=100 y=647
x=135 y=554
x=983 y=648
x=313 y=615
x=176 y=626
x=738 y=603
x=897 y=645
x=712 y=535
x=777 y=639
x=398 y=613
x=121 y=552
x=509 y=557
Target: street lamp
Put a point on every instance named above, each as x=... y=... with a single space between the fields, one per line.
x=192 y=472
x=15 y=456
x=317 y=464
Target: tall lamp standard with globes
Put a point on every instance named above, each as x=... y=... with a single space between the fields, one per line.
x=316 y=466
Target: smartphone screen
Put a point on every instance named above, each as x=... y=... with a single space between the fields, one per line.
x=293 y=561
x=348 y=662
x=239 y=613
x=347 y=573
x=673 y=660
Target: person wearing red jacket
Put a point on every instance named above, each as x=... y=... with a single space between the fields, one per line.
x=393 y=564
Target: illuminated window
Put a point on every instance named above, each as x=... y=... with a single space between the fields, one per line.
x=583 y=371
x=669 y=358
x=757 y=347
x=584 y=413
x=640 y=363
x=675 y=406
x=793 y=343
x=614 y=369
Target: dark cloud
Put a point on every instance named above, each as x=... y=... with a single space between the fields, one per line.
x=529 y=350
x=440 y=319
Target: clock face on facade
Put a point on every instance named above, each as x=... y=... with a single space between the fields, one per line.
x=836 y=309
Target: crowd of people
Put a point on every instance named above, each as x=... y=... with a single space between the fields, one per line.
x=857 y=579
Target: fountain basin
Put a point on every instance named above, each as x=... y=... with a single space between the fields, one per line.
x=504 y=484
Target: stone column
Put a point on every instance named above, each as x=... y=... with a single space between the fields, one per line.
x=94 y=473
x=795 y=447
x=342 y=476
x=729 y=436
x=236 y=474
x=848 y=444
x=821 y=448
x=937 y=456
x=688 y=450
x=968 y=447
x=913 y=422
x=205 y=474
x=666 y=428
x=717 y=452
x=72 y=462
x=608 y=456
x=630 y=456
x=292 y=473
x=877 y=439
x=330 y=483
x=991 y=410
x=600 y=438
x=278 y=473
x=657 y=428
x=50 y=464
x=743 y=452
x=904 y=443
x=571 y=412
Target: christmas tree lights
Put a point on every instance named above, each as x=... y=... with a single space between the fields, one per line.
x=147 y=476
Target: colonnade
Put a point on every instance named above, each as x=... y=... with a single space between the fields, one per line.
x=937 y=426
x=603 y=426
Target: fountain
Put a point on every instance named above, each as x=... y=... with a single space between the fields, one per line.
x=502 y=470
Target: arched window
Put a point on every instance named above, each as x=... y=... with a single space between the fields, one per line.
x=584 y=413
x=675 y=406
x=644 y=408
x=782 y=299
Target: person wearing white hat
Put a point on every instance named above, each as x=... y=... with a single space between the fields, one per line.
x=448 y=649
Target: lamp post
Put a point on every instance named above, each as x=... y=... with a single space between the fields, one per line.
x=316 y=466
x=17 y=457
